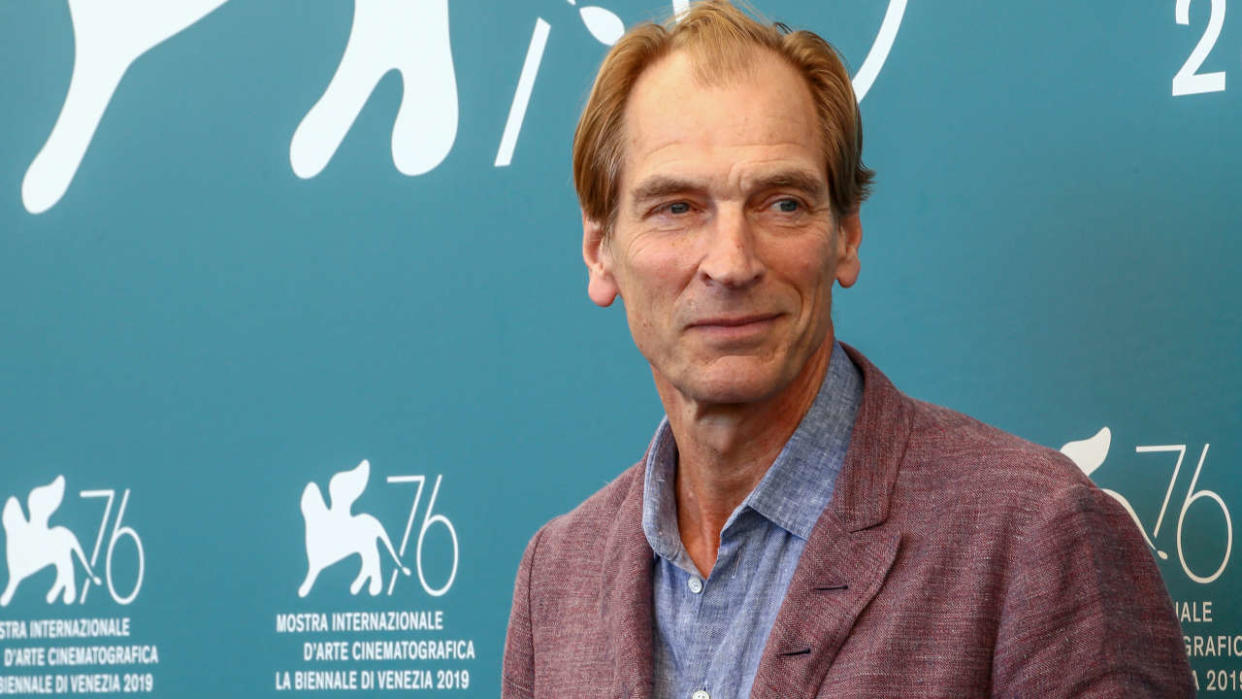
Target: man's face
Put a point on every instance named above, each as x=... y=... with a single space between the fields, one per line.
x=724 y=248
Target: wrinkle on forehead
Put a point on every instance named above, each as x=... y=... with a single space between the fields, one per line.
x=673 y=80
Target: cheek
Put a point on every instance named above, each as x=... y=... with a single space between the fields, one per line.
x=651 y=273
x=809 y=269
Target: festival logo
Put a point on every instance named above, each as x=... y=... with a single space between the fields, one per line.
x=32 y=545
x=333 y=533
x=411 y=645
x=72 y=655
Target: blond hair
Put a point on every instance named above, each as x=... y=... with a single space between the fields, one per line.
x=722 y=41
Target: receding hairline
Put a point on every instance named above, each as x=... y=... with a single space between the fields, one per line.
x=706 y=71
x=717 y=78
x=722 y=41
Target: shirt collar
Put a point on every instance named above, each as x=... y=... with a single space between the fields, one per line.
x=796 y=488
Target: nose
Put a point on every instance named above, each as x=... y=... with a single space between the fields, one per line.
x=730 y=257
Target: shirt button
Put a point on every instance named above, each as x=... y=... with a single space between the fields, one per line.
x=696 y=586
x=701 y=694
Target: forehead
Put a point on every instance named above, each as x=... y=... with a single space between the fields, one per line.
x=675 y=121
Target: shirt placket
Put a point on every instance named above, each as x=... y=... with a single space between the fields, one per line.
x=718 y=599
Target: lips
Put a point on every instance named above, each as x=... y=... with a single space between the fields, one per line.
x=733 y=321
x=734 y=328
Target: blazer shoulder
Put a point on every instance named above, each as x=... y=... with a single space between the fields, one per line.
x=579 y=530
x=949 y=445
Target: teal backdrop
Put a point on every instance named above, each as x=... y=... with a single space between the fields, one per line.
x=205 y=318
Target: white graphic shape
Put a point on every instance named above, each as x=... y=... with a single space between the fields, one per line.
x=603 y=24
x=411 y=37
x=31 y=545
x=870 y=70
x=107 y=37
x=1089 y=453
x=521 y=96
x=1188 y=80
x=334 y=533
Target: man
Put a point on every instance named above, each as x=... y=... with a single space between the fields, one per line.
x=799 y=527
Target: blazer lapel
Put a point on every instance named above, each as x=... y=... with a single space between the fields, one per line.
x=848 y=556
x=825 y=597
x=625 y=598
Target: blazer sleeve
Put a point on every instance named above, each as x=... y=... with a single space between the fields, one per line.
x=518 y=674
x=1085 y=613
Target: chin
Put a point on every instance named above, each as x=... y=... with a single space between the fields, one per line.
x=724 y=385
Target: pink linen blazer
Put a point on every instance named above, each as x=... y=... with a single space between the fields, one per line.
x=954 y=560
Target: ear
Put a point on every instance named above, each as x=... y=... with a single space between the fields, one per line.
x=849 y=238
x=601 y=284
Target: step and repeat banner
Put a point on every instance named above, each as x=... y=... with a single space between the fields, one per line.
x=296 y=351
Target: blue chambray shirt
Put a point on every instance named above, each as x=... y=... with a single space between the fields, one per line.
x=709 y=634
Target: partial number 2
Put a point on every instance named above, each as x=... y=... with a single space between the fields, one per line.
x=1188 y=81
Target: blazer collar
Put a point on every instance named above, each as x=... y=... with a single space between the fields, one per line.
x=842 y=567
x=848 y=555
x=877 y=447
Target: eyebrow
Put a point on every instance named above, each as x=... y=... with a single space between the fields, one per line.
x=801 y=180
x=660 y=186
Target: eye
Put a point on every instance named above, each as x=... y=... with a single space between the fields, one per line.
x=788 y=205
x=678 y=208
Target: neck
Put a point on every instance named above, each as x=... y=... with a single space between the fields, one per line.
x=723 y=451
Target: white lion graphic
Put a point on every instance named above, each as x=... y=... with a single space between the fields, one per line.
x=33 y=545
x=332 y=533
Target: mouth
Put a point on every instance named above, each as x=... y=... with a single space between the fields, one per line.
x=734 y=321
x=734 y=327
